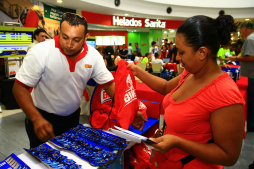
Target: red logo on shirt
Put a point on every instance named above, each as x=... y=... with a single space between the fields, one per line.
x=88 y=66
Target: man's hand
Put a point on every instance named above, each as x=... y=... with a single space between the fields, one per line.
x=43 y=130
x=138 y=122
x=232 y=58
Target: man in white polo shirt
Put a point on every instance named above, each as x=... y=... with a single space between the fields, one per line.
x=58 y=70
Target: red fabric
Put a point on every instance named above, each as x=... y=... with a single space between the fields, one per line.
x=170 y=66
x=72 y=64
x=140 y=156
x=85 y=94
x=126 y=102
x=190 y=118
x=142 y=108
x=16 y=80
x=164 y=54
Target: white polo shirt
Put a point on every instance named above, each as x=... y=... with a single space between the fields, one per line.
x=58 y=81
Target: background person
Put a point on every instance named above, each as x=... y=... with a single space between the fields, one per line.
x=129 y=51
x=123 y=52
x=247 y=68
x=39 y=36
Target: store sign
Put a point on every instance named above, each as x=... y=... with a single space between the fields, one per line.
x=55 y=13
x=117 y=21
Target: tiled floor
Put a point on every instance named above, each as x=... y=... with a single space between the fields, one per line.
x=13 y=138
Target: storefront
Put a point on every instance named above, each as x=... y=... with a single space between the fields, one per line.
x=151 y=29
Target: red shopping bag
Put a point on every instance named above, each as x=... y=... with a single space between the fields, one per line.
x=142 y=108
x=140 y=157
x=126 y=102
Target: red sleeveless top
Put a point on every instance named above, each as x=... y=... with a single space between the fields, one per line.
x=190 y=118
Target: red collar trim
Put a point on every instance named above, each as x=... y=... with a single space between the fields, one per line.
x=80 y=56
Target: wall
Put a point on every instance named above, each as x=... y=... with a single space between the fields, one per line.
x=142 y=38
x=5 y=18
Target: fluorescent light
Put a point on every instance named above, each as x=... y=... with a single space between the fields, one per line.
x=172 y=30
x=165 y=32
x=126 y=14
x=59 y=1
x=247 y=19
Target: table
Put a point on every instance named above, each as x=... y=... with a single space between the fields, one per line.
x=35 y=164
x=146 y=93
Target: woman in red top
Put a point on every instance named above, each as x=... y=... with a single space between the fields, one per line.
x=164 y=52
x=201 y=104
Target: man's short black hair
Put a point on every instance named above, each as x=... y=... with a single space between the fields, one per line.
x=166 y=40
x=153 y=42
x=129 y=44
x=38 y=31
x=136 y=43
x=75 y=21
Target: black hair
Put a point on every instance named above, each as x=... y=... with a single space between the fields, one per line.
x=153 y=42
x=129 y=44
x=221 y=12
x=75 y=21
x=156 y=55
x=166 y=39
x=136 y=43
x=201 y=31
x=38 y=31
x=139 y=54
x=147 y=54
x=108 y=50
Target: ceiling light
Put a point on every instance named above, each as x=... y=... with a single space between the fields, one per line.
x=126 y=14
x=59 y=1
x=172 y=30
x=165 y=32
x=247 y=19
x=134 y=30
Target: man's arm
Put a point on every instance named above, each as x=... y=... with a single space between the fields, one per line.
x=43 y=129
x=245 y=58
x=110 y=89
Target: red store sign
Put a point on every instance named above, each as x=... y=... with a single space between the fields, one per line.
x=101 y=19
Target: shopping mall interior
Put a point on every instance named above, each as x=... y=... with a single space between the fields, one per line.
x=111 y=23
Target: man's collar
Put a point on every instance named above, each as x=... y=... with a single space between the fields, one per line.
x=57 y=45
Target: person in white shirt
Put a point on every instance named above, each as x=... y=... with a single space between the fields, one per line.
x=129 y=51
x=39 y=36
x=59 y=70
x=138 y=58
x=157 y=60
x=153 y=49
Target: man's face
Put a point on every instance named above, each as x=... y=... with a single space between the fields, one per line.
x=72 y=38
x=243 y=32
x=136 y=45
x=165 y=42
x=41 y=37
x=123 y=46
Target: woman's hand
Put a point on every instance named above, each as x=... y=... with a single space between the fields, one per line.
x=133 y=68
x=165 y=143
